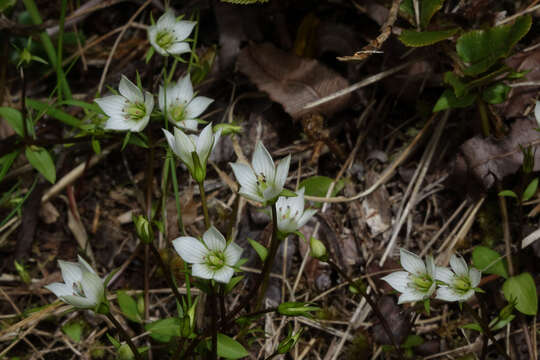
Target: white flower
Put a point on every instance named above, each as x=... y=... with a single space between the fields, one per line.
x=212 y=258
x=459 y=284
x=262 y=181
x=291 y=214
x=185 y=145
x=128 y=111
x=168 y=34
x=183 y=107
x=417 y=282
x=82 y=287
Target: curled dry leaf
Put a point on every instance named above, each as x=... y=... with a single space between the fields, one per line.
x=483 y=161
x=292 y=81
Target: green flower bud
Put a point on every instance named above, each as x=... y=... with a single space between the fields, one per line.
x=143 y=228
x=199 y=172
x=318 y=250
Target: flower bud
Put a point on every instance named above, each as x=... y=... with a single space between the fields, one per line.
x=227 y=129
x=294 y=308
x=199 y=172
x=143 y=229
x=318 y=250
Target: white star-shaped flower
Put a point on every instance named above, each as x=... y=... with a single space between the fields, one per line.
x=128 y=111
x=291 y=214
x=212 y=258
x=417 y=282
x=459 y=284
x=82 y=287
x=262 y=181
x=168 y=35
x=183 y=107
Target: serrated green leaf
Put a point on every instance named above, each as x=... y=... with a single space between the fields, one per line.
x=13 y=118
x=522 y=290
x=530 y=190
x=128 y=305
x=42 y=161
x=480 y=49
x=414 y=38
x=165 y=329
x=489 y=261
x=496 y=93
x=229 y=348
x=261 y=250
x=318 y=186
x=448 y=100
x=428 y=8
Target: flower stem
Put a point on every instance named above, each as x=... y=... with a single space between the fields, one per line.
x=371 y=303
x=204 y=205
x=125 y=335
x=214 y=314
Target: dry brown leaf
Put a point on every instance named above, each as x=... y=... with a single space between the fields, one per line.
x=48 y=213
x=483 y=161
x=292 y=81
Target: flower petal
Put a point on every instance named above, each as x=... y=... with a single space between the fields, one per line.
x=130 y=91
x=93 y=287
x=170 y=140
x=85 y=265
x=445 y=275
x=78 y=301
x=71 y=272
x=282 y=172
x=475 y=276
x=262 y=163
x=245 y=176
x=202 y=271
x=250 y=195
x=179 y=48
x=412 y=262
x=183 y=90
x=232 y=254
x=431 y=268
x=189 y=124
x=197 y=106
x=411 y=296
x=223 y=275
x=185 y=147
x=204 y=143
x=112 y=105
x=447 y=294
x=167 y=20
x=190 y=249
x=537 y=112
x=214 y=240
x=119 y=123
x=458 y=264
x=398 y=280
x=59 y=289
x=308 y=214
x=183 y=28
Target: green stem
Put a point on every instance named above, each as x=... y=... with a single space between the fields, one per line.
x=204 y=205
x=59 y=49
x=125 y=335
x=483 y=116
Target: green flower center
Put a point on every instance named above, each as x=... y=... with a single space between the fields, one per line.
x=215 y=260
x=422 y=282
x=178 y=112
x=135 y=111
x=462 y=284
x=164 y=39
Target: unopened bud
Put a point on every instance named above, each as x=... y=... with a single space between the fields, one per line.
x=199 y=172
x=143 y=229
x=318 y=250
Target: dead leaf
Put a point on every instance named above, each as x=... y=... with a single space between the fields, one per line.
x=482 y=161
x=376 y=207
x=292 y=81
x=48 y=213
x=396 y=317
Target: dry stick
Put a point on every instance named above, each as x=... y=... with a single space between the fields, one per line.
x=117 y=41
x=371 y=303
x=426 y=160
x=515 y=16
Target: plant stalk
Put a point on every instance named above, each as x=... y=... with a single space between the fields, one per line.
x=204 y=205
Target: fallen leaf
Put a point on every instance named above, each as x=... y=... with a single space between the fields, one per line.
x=292 y=81
x=396 y=317
x=376 y=207
x=48 y=213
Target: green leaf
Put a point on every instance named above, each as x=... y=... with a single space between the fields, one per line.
x=42 y=161
x=232 y=283
x=128 y=305
x=424 y=38
x=448 y=100
x=473 y=326
x=13 y=118
x=229 y=348
x=287 y=193
x=496 y=94
x=5 y=163
x=73 y=330
x=508 y=193
x=54 y=112
x=412 y=341
x=480 y=49
x=489 y=261
x=318 y=186
x=165 y=329
x=428 y=8
x=522 y=290
x=93 y=107
x=261 y=250
x=460 y=88
x=530 y=190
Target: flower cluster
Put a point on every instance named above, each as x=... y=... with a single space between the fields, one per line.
x=420 y=279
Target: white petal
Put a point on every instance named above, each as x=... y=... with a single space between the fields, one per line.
x=412 y=262
x=85 y=265
x=71 y=272
x=78 y=301
x=475 y=276
x=537 y=112
x=190 y=249
x=411 y=296
x=170 y=140
x=202 y=271
x=148 y=102
x=92 y=286
x=398 y=280
x=446 y=294
x=190 y=124
x=197 y=106
x=271 y=192
x=214 y=240
x=431 y=268
x=179 y=48
x=308 y=214
x=183 y=28
x=262 y=163
x=130 y=91
x=245 y=176
x=183 y=90
x=223 y=275
x=282 y=172
x=232 y=254
x=458 y=264
x=250 y=195
x=444 y=274
x=59 y=289
x=112 y=105
x=167 y=20
x=185 y=147
x=204 y=144
x=119 y=123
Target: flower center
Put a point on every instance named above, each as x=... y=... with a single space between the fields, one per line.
x=422 y=282
x=215 y=260
x=165 y=39
x=462 y=284
x=78 y=290
x=178 y=112
x=286 y=214
x=135 y=111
